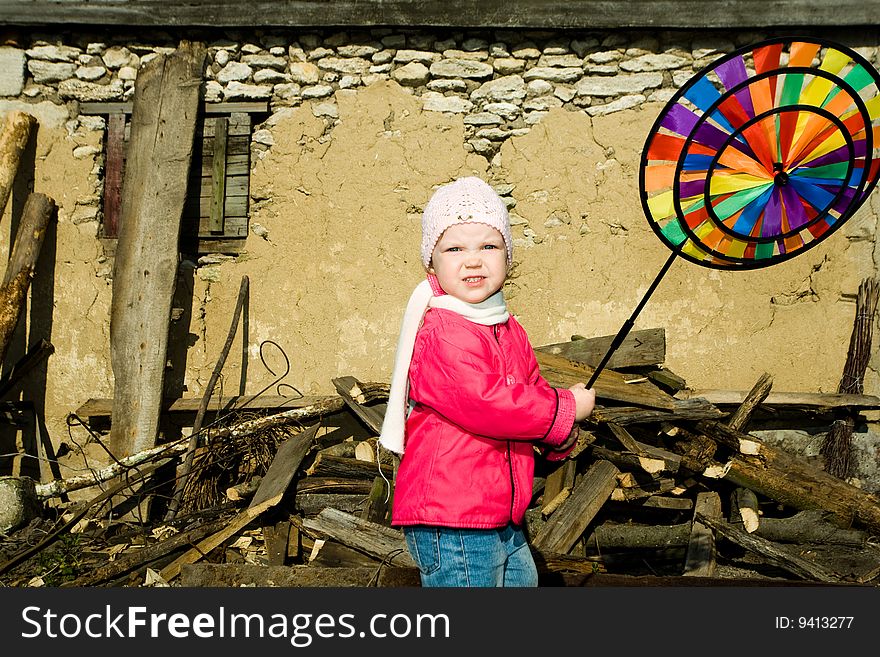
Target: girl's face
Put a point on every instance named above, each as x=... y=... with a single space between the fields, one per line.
x=470 y=261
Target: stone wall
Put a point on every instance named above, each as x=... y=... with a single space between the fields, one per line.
x=363 y=126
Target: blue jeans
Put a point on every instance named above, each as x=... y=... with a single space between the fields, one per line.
x=448 y=556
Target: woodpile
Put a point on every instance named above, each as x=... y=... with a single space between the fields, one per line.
x=666 y=486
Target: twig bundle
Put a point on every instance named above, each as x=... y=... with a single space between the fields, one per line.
x=837 y=445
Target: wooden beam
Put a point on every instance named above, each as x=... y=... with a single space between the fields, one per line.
x=653 y=14
x=145 y=269
x=792 y=400
x=207 y=108
x=218 y=175
x=114 y=165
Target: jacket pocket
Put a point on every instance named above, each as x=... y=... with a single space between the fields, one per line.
x=424 y=547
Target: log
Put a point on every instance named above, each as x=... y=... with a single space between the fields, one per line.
x=328 y=465
x=740 y=418
x=805 y=527
x=560 y=479
x=160 y=149
x=775 y=554
x=791 y=480
x=629 y=461
x=38 y=210
x=383 y=543
x=564 y=528
x=690 y=409
x=15 y=132
x=744 y=509
x=700 y=559
x=311 y=504
x=639 y=348
x=243 y=490
x=648 y=489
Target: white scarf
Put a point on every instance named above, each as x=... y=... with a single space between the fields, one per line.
x=488 y=312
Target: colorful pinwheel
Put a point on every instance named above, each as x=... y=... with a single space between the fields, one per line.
x=763 y=154
x=760 y=156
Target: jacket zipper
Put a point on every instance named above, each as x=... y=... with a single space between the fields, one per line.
x=509 y=459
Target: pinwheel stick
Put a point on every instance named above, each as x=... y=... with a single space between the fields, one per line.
x=628 y=324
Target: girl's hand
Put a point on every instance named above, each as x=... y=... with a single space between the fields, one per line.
x=584 y=401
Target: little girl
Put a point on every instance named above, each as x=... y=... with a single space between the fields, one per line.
x=468 y=404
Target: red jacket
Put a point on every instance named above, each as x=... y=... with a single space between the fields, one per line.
x=480 y=406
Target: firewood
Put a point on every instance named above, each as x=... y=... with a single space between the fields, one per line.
x=564 y=528
x=383 y=543
x=629 y=461
x=349 y=468
x=791 y=480
x=700 y=559
x=276 y=538
x=740 y=418
x=687 y=409
x=243 y=490
x=378 y=506
x=558 y=480
x=775 y=554
x=311 y=504
x=744 y=509
x=647 y=489
x=350 y=390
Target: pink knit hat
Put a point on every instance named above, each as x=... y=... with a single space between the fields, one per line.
x=465 y=200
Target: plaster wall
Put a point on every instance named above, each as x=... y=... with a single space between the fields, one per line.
x=333 y=254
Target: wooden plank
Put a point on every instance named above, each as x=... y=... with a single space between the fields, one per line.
x=236 y=165
x=218 y=176
x=207 y=108
x=237 y=124
x=154 y=189
x=114 y=163
x=585 y=14
x=565 y=526
x=639 y=348
x=700 y=559
x=793 y=400
x=281 y=471
x=276 y=538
